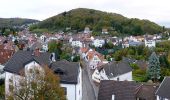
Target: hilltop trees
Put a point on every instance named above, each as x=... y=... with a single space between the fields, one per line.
x=154 y=67
x=79 y=18
x=37 y=84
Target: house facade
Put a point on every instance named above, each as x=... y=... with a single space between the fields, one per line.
x=98 y=42
x=150 y=42
x=76 y=42
x=69 y=72
x=43 y=38
x=118 y=71
x=71 y=78
x=93 y=58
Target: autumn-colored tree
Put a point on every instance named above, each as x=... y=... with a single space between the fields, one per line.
x=37 y=84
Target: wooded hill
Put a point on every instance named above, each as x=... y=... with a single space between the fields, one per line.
x=10 y=22
x=79 y=18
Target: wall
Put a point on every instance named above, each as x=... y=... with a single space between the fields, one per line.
x=158 y=98
x=74 y=91
x=150 y=43
x=15 y=78
x=96 y=76
x=70 y=91
x=123 y=77
x=77 y=44
x=98 y=43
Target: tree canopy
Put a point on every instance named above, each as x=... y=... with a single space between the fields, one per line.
x=37 y=85
x=154 y=67
x=10 y=22
x=96 y=20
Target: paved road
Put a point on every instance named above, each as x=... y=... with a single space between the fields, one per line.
x=88 y=91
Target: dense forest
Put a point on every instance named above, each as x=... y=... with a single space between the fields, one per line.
x=78 y=19
x=10 y=22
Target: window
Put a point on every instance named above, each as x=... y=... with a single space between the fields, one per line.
x=160 y=98
x=30 y=70
x=59 y=72
x=118 y=79
x=65 y=90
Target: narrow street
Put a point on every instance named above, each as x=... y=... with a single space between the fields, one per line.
x=88 y=90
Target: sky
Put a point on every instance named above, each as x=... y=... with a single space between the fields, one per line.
x=155 y=10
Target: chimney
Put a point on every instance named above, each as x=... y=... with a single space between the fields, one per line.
x=37 y=52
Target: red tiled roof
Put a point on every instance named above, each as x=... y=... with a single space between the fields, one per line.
x=5 y=55
x=91 y=54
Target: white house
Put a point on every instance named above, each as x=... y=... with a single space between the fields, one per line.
x=83 y=51
x=71 y=78
x=98 y=42
x=125 y=44
x=104 y=31
x=119 y=71
x=150 y=42
x=93 y=58
x=163 y=92
x=69 y=72
x=87 y=30
x=2 y=74
x=43 y=38
x=76 y=42
x=45 y=47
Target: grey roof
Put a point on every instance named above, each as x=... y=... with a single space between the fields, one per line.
x=128 y=60
x=36 y=45
x=133 y=43
x=147 y=91
x=122 y=90
x=164 y=88
x=126 y=90
x=70 y=71
x=20 y=58
x=114 y=68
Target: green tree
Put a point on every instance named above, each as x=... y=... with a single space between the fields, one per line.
x=55 y=47
x=154 y=67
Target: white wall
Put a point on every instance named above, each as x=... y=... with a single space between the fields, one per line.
x=70 y=91
x=98 y=43
x=158 y=98
x=93 y=63
x=2 y=73
x=79 y=86
x=76 y=44
x=123 y=77
x=96 y=76
x=74 y=91
x=42 y=37
x=150 y=43
x=15 y=79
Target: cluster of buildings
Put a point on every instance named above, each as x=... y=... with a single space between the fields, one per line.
x=114 y=79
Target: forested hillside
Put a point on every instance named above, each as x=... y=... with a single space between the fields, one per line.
x=10 y=22
x=77 y=19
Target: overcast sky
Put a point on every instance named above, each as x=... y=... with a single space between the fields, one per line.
x=154 y=10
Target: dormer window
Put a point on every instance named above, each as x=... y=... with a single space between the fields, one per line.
x=59 y=72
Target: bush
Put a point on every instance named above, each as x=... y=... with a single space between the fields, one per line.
x=134 y=66
x=139 y=75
